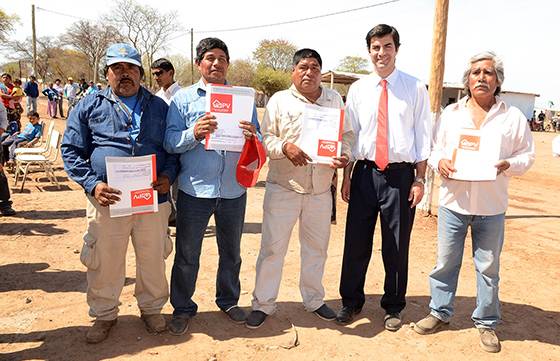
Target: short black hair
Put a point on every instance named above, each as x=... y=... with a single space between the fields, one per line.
x=306 y=53
x=6 y=74
x=33 y=114
x=162 y=63
x=380 y=31
x=207 y=44
x=56 y=80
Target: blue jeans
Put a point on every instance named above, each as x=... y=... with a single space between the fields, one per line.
x=487 y=240
x=193 y=215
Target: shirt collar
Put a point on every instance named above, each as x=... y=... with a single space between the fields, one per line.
x=391 y=78
x=202 y=86
x=499 y=105
x=324 y=98
x=172 y=88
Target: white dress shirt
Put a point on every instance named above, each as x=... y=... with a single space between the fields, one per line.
x=168 y=94
x=483 y=198
x=409 y=121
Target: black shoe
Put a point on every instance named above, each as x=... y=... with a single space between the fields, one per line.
x=346 y=314
x=325 y=313
x=7 y=212
x=179 y=325
x=392 y=321
x=236 y=315
x=255 y=319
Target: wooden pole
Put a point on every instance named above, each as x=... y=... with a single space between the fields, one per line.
x=34 y=40
x=436 y=84
x=192 y=57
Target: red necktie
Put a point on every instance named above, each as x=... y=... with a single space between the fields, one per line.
x=381 y=145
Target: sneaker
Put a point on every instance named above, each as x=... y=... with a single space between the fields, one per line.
x=155 y=323
x=429 y=324
x=392 y=321
x=255 y=319
x=179 y=325
x=325 y=313
x=488 y=340
x=346 y=314
x=6 y=212
x=99 y=330
x=236 y=315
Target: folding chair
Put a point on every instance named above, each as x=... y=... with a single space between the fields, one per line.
x=40 y=148
x=44 y=161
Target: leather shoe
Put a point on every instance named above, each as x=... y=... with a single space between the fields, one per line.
x=488 y=340
x=99 y=330
x=346 y=314
x=236 y=315
x=179 y=325
x=429 y=324
x=392 y=321
x=155 y=323
x=325 y=313
x=255 y=319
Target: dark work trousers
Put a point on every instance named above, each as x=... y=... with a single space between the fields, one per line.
x=4 y=192
x=373 y=192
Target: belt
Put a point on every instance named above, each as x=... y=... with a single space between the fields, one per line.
x=390 y=166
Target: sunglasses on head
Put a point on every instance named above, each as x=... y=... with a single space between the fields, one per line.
x=158 y=73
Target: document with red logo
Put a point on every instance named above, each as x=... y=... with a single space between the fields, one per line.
x=321 y=133
x=230 y=105
x=133 y=176
x=476 y=156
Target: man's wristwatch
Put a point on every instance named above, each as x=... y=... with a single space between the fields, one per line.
x=420 y=180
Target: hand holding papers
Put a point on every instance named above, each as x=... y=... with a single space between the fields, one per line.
x=230 y=105
x=476 y=156
x=321 y=133
x=133 y=176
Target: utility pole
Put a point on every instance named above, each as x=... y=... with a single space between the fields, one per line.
x=34 y=40
x=436 y=84
x=192 y=57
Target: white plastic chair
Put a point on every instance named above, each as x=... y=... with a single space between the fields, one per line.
x=45 y=161
x=40 y=148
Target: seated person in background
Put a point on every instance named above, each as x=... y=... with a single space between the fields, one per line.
x=30 y=133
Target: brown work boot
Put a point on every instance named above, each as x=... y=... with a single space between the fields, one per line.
x=488 y=340
x=99 y=330
x=155 y=323
x=429 y=324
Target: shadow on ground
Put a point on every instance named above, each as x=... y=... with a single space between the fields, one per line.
x=129 y=336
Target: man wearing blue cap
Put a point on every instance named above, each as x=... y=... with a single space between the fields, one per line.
x=123 y=120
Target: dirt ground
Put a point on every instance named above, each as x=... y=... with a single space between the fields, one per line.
x=43 y=311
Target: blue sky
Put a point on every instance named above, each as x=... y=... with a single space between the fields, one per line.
x=520 y=31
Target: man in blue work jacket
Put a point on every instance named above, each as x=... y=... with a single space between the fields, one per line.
x=123 y=120
x=207 y=186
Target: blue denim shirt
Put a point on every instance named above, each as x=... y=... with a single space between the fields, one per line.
x=204 y=173
x=97 y=127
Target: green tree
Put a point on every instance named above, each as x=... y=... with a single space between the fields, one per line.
x=7 y=23
x=354 y=64
x=276 y=54
x=269 y=81
x=241 y=72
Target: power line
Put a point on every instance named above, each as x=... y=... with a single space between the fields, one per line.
x=61 y=14
x=289 y=21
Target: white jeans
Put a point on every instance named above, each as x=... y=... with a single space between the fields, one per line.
x=106 y=240
x=282 y=208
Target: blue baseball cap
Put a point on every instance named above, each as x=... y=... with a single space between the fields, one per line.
x=123 y=53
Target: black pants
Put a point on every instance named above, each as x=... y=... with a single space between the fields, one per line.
x=386 y=193
x=4 y=192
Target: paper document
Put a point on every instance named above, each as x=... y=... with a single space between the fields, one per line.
x=476 y=156
x=133 y=176
x=230 y=105
x=321 y=133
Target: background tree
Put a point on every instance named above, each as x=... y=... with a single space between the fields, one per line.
x=241 y=72
x=269 y=81
x=92 y=40
x=145 y=27
x=182 y=66
x=354 y=64
x=275 y=54
x=48 y=48
x=7 y=23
